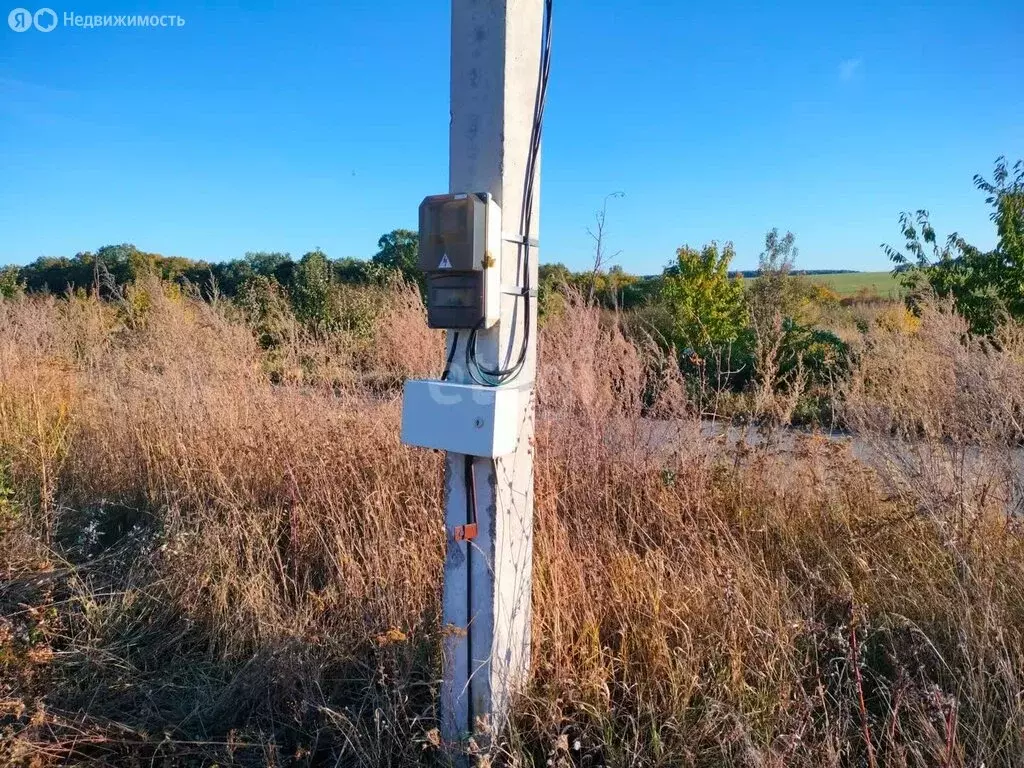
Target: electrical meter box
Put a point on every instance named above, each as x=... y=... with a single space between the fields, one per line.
x=460 y=252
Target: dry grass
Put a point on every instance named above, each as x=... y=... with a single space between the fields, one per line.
x=202 y=566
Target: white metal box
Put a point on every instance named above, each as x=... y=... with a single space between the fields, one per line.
x=463 y=418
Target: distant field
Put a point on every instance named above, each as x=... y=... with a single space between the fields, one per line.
x=881 y=284
x=849 y=283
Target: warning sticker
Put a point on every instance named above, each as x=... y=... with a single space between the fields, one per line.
x=445 y=263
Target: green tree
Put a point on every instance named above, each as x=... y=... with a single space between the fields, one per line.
x=399 y=251
x=617 y=285
x=983 y=284
x=231 y=276
x=1005 y=193
x=266 y=310
x=552 y=280
x=58 y=274
x=787 y=361
x=311 y=291
x=123 y=263
x=266 y=263
x=772 y=294
x=352 y=271
x=115 y=265
x=11 y=284
x=706 y=305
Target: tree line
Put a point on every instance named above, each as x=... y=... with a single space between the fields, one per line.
x=117 y=265
x=697 y=303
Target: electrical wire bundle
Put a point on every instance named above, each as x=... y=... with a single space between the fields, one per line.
x=493 y=377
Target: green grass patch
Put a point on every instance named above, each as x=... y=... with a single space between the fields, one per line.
x=882 y=284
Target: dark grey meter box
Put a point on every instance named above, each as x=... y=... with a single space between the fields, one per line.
x=460 y=244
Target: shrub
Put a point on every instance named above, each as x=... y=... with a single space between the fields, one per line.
x=982 y=284
x=706 y=305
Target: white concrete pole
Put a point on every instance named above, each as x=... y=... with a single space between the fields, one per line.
x=495 y=62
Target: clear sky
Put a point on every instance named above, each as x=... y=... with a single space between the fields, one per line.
x=279 y=126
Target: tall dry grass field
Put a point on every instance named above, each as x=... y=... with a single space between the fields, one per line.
x=211 y=554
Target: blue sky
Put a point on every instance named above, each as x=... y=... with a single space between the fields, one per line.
x=286 y=127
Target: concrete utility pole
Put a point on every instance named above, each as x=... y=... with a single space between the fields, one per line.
x=495 y=62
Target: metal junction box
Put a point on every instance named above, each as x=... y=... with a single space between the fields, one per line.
x=464 y=418
x=460 y=249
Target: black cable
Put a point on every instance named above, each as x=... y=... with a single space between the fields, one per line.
x=467 y=469
x=504 y=374
x=451 y=356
